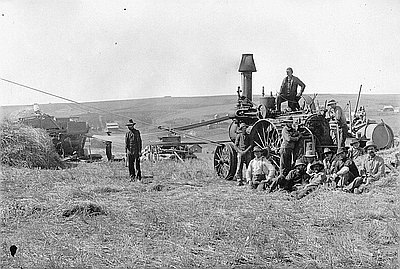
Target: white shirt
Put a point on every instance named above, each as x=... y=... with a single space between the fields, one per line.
x=260 y=166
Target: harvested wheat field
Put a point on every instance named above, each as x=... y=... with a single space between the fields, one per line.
x=90 y=216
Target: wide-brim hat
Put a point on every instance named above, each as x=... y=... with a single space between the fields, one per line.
x=370 y=143
x=340 y=150
x=130 y=123
x=257 y=149
x=316 y=163
x=354 y=140
x=309 y=153
x=327 y=150
x=331 y=102
x=299 y=162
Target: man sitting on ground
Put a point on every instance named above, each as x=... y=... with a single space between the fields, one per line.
x=309 y=158
x=294 y=179
x=260 y=171
x=372 y=169
x=328 y=160
x=355 y=151
x=344 y=170
x=318 y=177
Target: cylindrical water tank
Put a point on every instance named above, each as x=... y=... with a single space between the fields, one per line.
x=380 y=133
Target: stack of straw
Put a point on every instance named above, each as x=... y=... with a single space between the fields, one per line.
x=24 y=146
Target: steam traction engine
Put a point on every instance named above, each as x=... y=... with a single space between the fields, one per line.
x=265 y=125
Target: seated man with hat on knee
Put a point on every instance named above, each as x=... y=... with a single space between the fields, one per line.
x=260 y=171
x=344 y=170
x=372 y=169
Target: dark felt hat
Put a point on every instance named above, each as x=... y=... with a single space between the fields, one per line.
x=130 y=123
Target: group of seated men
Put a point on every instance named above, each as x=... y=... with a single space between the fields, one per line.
x=337 y=169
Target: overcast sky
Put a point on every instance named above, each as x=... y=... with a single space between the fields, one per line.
x=107 y=50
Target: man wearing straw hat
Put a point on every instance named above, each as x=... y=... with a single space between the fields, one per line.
x=335 y=113
x=260 y=171
x=133 y=148
x=290 y=136
x=372 y=169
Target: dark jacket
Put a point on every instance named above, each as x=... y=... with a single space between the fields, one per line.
x=133 y=142
x=289 y=88
x=242 y=140
x=339 y=164
x=294 y=177
x=289 y=138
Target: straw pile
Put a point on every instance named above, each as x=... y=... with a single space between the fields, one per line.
x=24 y=146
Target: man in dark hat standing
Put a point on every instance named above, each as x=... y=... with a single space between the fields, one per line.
x=338 y=118
x=242 y=146
x=289 y=139
x=288 y=91
x=133 y=148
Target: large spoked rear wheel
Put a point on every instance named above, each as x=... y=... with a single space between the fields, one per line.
x=266 y=135
x=225 y=161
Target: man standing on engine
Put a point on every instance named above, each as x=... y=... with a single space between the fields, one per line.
x=133 y=149
x=288 y=91
x=338 y=120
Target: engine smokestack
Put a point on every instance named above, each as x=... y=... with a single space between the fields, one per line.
x=247 y=67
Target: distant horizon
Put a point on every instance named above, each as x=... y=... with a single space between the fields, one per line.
x=193 y=96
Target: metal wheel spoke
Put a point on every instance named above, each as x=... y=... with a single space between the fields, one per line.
x=266 y=141
x=258 y=144
x=262 y=142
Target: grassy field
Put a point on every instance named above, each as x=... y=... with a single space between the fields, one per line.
x=182 y=216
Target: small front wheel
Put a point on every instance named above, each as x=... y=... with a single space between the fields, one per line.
x=225 y=161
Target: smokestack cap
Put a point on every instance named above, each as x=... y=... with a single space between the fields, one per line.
x=247 y=63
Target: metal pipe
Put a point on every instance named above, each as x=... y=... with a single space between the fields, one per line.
x=350 y=119
x=358 y=99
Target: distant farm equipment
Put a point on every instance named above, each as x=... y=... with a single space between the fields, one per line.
x=68 y=134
